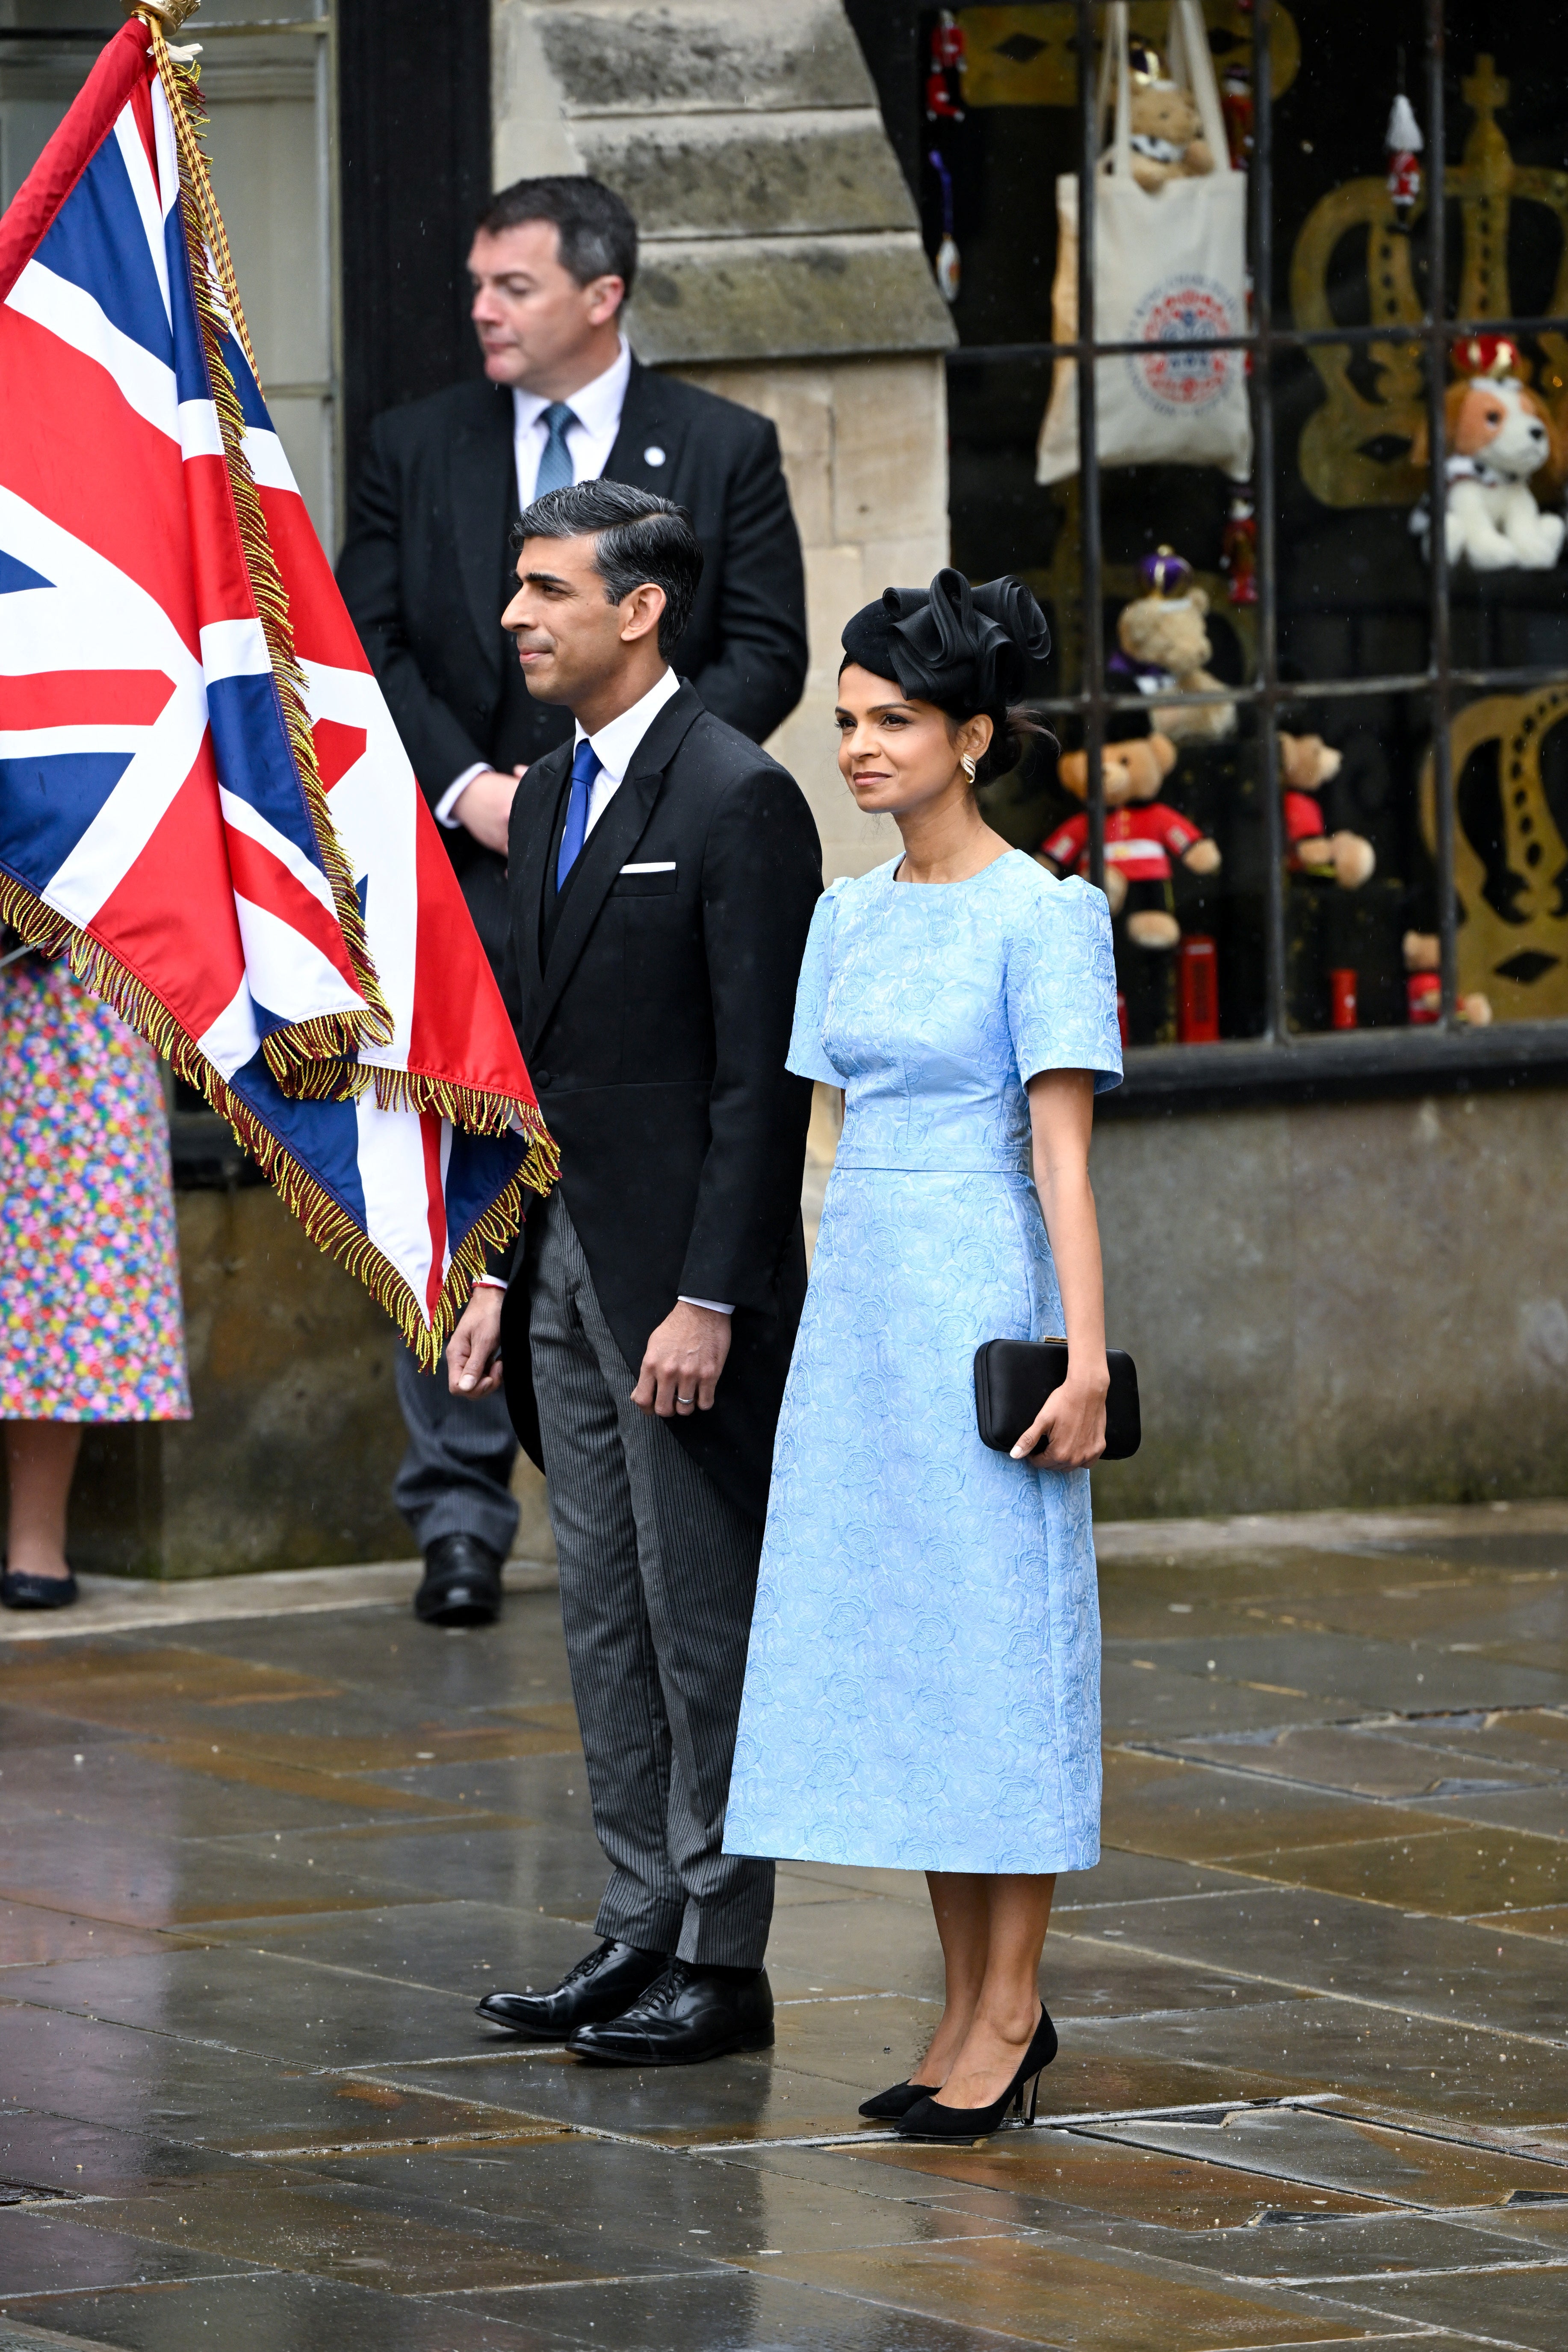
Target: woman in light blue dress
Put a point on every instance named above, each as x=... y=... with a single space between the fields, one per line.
x=923 y=1690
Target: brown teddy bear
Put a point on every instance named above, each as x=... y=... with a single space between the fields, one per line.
x=1142 y=836
x=1306 y=765
x=1166 y=141
x=1422 y=953
x=1164 y=647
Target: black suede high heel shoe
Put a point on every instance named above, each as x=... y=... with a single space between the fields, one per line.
x=928 y=2121
x=888 y=2106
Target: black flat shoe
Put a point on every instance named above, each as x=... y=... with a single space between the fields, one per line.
x=19 y=1590
x=690 y=2015
x=602 y=1984
x=888 y=2106
x=928 y=2121
x=462 y=1585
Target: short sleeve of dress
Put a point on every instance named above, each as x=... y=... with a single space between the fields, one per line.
x=808 y=1057
x=1061 y=985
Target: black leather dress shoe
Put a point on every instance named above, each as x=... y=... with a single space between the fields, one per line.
x=601 y=1985
x=19 y=1590
x=692 y=2014
x=462 y=1585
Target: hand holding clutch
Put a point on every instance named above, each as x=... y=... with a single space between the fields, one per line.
x=1012 y=1378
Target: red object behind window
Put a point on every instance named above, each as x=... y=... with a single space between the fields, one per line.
x=1423 y=998
x=1197 y=1005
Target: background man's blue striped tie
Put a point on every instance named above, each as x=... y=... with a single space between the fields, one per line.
x=585 y=768
x=555 y=466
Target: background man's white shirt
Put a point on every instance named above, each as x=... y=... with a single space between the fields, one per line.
x=597 y=407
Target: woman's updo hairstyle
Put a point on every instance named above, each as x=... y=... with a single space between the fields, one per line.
x=969 y=650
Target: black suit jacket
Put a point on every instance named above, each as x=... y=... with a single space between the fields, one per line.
x=654 y=1024
x=426 y=571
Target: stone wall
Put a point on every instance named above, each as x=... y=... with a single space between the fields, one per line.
x=865 y=449
x=289 y=1459
x=1350 y=1306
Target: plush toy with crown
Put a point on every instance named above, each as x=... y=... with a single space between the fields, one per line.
x=1143 y=835
x=1166 y=128
x=1504 y=449
x=1163 y=649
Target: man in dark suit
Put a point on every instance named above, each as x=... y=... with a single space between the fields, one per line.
x=426 y=571
x=661 y=878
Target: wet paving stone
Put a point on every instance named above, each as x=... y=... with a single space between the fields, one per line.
x=1451 y=1870
x=1313 y=2072
x=1330 y=2151
x=1381 y=1760
x=266 y=2309
x=48 y=2249
x=1413 y=2066
x=1506 y=2303
x=1408 y=1676
x=1455 y=1971
x=1158 y=1806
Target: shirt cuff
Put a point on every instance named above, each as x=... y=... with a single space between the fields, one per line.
x=488 y=1281
x=711 y=1304
x=454 y=793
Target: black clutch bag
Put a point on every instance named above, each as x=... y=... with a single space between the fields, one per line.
x=1012 y=1378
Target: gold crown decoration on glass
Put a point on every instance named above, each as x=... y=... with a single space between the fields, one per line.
x=1510 y=860
x=1345 y=457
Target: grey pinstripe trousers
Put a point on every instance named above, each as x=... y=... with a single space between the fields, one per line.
x=659 y=1574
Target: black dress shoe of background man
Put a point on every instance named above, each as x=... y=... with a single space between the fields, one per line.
x=462 y=1585
x=692 y=2014
x=18 y=1589
x=602 y=1984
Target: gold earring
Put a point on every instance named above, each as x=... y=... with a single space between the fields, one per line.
x=967 y=764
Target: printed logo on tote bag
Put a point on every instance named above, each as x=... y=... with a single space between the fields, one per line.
x=1173 y=382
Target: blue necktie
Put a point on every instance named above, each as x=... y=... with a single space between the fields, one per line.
x=555 y=470
x=585 y=768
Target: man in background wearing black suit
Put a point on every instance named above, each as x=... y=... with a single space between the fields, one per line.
x=662 y=877
x=425 y=571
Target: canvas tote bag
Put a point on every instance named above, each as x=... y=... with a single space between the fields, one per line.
x=1167 y=263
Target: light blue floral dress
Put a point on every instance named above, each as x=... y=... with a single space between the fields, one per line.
x=923 y=1690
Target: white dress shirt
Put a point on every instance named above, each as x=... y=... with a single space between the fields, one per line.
x=614 y=748
x=597 y=407
x=615 y=745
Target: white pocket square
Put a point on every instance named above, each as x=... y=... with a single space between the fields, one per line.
x=658 y=866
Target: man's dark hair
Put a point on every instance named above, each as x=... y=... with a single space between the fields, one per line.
x=598 y=236
x=637 y=536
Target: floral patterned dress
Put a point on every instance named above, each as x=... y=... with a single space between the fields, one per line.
x=923 y=1690
x=91 y=1327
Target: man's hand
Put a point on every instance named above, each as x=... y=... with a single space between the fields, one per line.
x=484 y=806
x=681 y=1362
x=473 y=1351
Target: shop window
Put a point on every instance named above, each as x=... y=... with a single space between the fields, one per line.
x=1358 y=817
x=267 y=76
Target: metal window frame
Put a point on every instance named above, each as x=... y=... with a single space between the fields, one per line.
x=1283 y=1063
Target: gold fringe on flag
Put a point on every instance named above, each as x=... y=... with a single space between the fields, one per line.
x=324 y=1218
x=316 y=1059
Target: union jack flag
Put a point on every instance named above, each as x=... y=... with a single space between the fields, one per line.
x=203 y=798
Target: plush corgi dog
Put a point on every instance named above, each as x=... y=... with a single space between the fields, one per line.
x=1500 y=437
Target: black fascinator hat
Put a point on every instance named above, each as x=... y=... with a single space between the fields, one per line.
x=966 y=649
